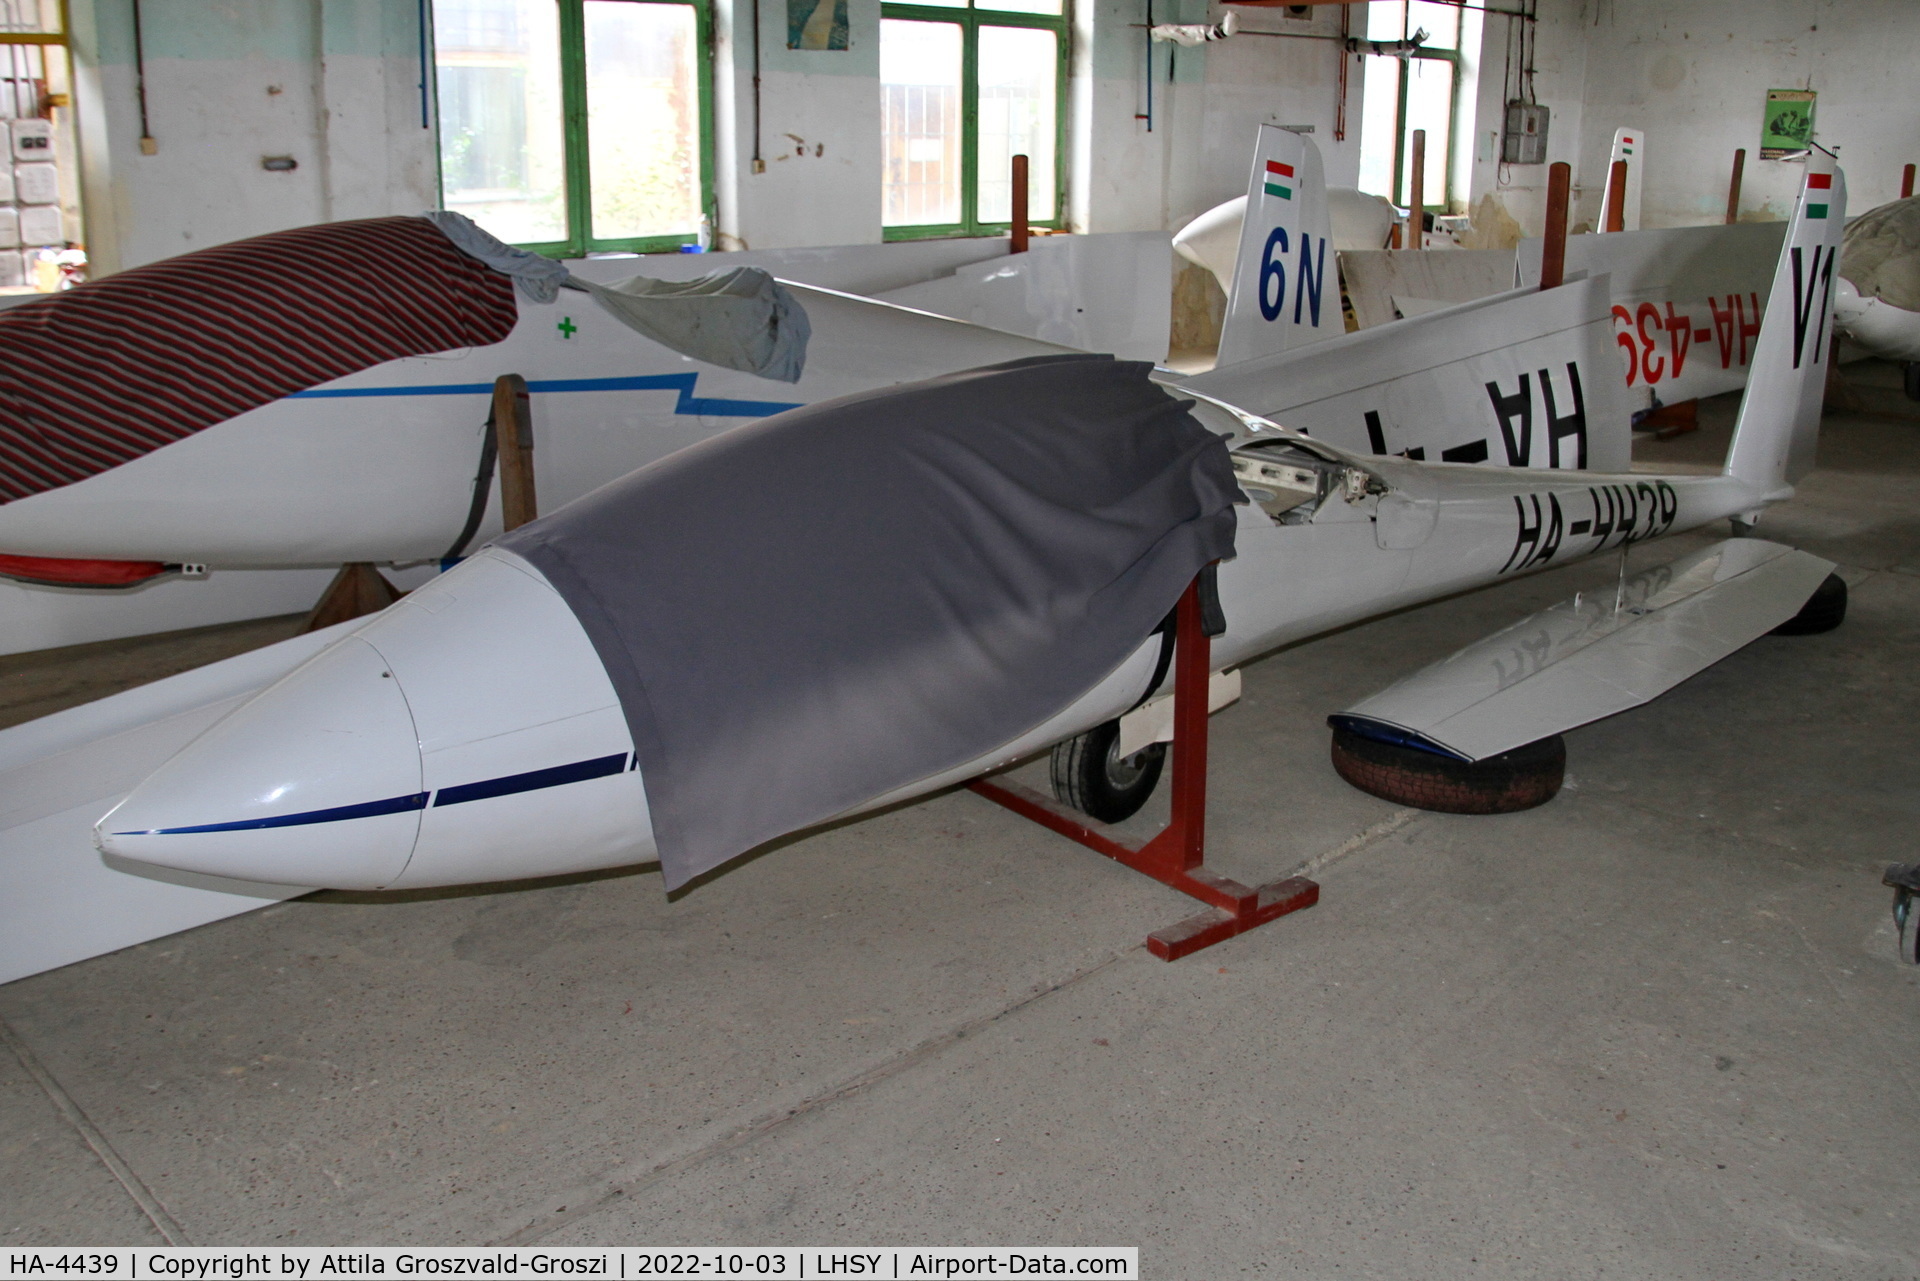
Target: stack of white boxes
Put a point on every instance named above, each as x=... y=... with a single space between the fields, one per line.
x=29 y=201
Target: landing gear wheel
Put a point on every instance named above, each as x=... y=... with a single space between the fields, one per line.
x=1825 y=610
x=1904 y=878
x=1090 y=774
x=1527 y=776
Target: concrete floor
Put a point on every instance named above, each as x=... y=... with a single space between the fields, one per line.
x=1655 y=1028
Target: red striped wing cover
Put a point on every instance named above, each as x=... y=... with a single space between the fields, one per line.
x=104 y=373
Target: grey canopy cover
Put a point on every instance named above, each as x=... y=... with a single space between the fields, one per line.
x=807 y=612
x=740 y=318
x=1880 y=253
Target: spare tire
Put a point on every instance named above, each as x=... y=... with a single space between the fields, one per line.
x=1527 y=776
x=1825 y=610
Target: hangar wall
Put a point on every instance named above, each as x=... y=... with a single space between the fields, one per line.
x=1695 y=76
x=335 y=85
x=332 y=83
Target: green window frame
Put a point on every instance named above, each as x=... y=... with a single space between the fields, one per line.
x=1401 y=158
x=1413 y=16
x=970 y=19
x=576 y=147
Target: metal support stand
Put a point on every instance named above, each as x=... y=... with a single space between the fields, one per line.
x=1176 y=856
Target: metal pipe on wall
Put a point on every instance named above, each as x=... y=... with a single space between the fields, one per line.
x=1733 y=188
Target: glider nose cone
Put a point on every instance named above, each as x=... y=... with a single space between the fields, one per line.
x=316 y=781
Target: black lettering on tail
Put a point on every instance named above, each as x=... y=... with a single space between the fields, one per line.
x=1574 y=424
x=1520 y=405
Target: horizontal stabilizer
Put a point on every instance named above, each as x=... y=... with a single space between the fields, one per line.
x=1585 y=658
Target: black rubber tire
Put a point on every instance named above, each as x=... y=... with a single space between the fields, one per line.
x=1527 y=776
x=1906 y=920
x=1825 y=610
x=1911 y=378
x=1089 y=776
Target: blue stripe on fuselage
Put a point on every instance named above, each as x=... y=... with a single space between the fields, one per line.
x=507 y=785
x=339 y=813
x=688 y=403
x=533 y=780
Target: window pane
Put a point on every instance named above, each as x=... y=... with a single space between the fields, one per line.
x=1379 y=123
x=38 y=16
x=501 y=157
x=1017 y=6
x=920 y=121
x=1386 y=19
x=1442 y=22
x=1018 y=66
x=643 y=119
x=1429 y=107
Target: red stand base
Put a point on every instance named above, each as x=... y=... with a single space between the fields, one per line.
x=1176 y=856
x=1234 y=909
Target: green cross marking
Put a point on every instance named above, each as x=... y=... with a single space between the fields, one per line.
x=566 y=327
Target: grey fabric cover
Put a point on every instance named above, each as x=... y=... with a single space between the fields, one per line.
x=807 y=612
x=536 y=277
x=739 y=319
x=1880 y=253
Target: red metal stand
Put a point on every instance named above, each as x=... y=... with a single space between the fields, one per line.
x=1176 y=856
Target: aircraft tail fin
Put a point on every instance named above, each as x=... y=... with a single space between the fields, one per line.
x=1629 y=145
x=1778 y=427
x=1286 y=280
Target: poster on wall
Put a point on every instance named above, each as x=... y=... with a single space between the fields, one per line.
x=816 y=24
x=1787 y=128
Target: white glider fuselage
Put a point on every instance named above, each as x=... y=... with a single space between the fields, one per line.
x=405 y=774
x=470 y=732
x=380 y=465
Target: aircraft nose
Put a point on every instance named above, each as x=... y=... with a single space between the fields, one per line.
x=316 y=781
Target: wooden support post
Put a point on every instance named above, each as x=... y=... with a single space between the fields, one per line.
x=1733 y=187
x=1020 y=228
x=357 y=590
x=512 y=422
x=1906 y=183
x=1417 y=193
x=1553 y=255
x=1616 y=197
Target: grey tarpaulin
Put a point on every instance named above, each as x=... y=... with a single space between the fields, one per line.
x=741 y=318
x=1881 y=253
x=738 y=319
x=536 y=277
x=809 y=611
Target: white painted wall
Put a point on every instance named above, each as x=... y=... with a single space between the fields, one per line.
x=1695 y=77
x=332 y=83
x=347 y=108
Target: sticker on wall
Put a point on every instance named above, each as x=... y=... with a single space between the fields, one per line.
x=1787 y=128
x=816 y=24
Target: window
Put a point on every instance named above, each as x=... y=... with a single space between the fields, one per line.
x=569 y=126
x=39 y=179
x=965 y=86
x=1404 y=94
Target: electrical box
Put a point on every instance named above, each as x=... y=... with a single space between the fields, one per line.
x=1525 y=142
x=32 y=138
